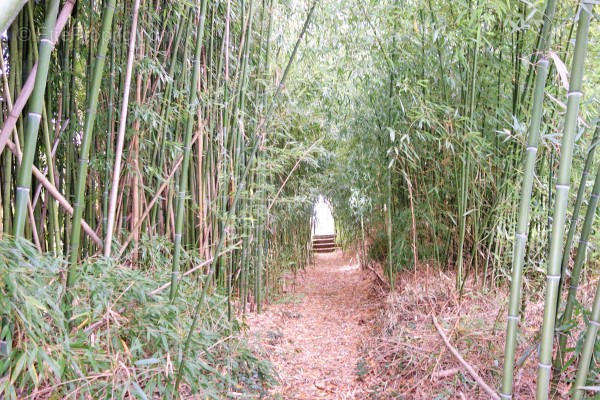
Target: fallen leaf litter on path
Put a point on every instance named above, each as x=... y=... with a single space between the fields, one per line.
x=315 y=341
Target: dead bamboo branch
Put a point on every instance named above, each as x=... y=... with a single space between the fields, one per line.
x=53 y=191
x=486 y=388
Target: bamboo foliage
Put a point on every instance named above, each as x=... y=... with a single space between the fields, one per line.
x=185 y=141
x=184 y=161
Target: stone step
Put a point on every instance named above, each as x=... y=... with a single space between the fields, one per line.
x=324 y=236
x=326 y=240
x=327 y=250
x=323 y=245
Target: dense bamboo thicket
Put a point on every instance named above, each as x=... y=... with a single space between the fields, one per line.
x=159 y=160
x=143 y=140
x=466 y=140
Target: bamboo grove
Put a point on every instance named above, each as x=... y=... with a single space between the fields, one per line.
x=159 y=160
x=150 y=137
x=467 y=137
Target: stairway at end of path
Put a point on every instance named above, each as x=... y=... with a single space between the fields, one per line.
x=324 y=243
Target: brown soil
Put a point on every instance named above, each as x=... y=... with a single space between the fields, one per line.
x=314 y=335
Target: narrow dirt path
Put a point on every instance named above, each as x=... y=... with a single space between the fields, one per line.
x=314 y=335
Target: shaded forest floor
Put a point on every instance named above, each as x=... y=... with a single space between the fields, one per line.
x=338 y=334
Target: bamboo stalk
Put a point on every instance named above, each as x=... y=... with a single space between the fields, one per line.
x=33 y=119
x=183 y=181
x=53 y=191
x=578 y=388
x=576 y=273
x=88 y=132
x=9 y=10
x=27 y=89
x=577 y=206
x=521 y=228
x=114 y=188
x=560 y=206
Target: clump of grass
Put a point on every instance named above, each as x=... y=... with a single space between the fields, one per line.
x=125 y=341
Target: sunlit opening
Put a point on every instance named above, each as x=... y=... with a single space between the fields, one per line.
x=322 y=219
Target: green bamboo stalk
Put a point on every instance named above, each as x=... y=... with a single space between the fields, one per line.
x=588 y=349
x=577 y=206
x=224 y=140
x=240 y=143
x=187 y=148
x=388 y=193
x=33 y=119
x=6 y=192
x=466 y=160
x=524 y=205
x=9 y=93
x=559 y=358
x=33 y=212
x=88 y=131
x=8 y=11
x=53 y=222
x=262 y=198
x=388 y=227
x=465 y=168
x=577 y=268
x=517 y=62
x=75 y=44
x=560 y=206
x=51 y=203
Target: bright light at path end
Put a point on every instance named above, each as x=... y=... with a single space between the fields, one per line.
x=323 y=219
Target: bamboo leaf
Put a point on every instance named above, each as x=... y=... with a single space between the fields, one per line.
x=561 y=69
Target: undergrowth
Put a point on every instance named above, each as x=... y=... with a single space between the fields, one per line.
x=122 y=341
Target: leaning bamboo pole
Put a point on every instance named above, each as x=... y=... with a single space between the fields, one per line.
x=55 y=193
